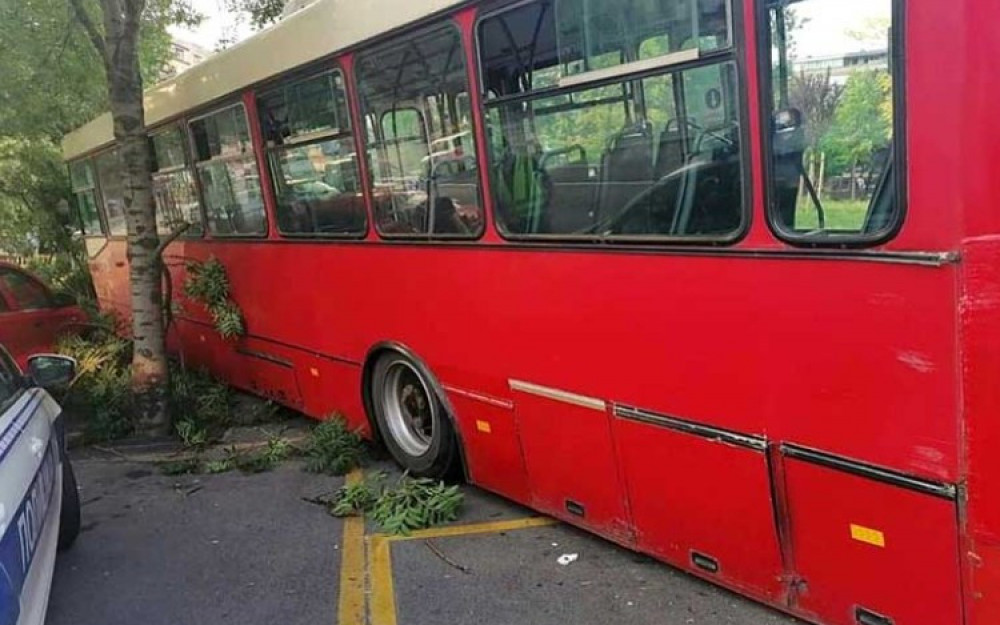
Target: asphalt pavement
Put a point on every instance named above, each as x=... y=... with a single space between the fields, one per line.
x=198 y=550
x=247 y=549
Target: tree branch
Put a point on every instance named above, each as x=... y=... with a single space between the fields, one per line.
x=168 y=298
x=53 y=52
x=170 y=238
x=93 y=33
x=18 y=194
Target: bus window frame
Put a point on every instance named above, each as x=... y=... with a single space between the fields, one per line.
x=395 y=141
x=189 y=134
x=181 y=126
x=105 y=224
x=842 y=240
x=311 y=138
x=95 y=192
x=471 y=82
x=736 y=53
x=423 y=125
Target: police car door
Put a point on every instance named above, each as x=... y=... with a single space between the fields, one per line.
x=29 y=497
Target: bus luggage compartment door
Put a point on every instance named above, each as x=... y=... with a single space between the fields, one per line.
x=701 y=500
x=490 y=442
x=570 y=459
x=870 y=552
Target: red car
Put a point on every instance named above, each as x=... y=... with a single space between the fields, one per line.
x=31 y=315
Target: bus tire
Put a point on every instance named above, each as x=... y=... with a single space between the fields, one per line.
x=69 y=515
x=411 y=417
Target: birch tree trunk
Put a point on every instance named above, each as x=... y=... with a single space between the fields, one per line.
x=118 y=46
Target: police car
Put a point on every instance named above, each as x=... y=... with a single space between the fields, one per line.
x=39 y=503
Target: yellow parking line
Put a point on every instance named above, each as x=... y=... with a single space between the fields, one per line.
x=476 y=528
x=351 y=609
x=383 y=593
x=383 y=606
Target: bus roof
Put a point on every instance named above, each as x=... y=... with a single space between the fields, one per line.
x=319 y=30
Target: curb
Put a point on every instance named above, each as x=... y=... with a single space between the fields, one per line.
x=174 y=452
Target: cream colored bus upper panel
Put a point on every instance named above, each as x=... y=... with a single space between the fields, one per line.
x=316 y=31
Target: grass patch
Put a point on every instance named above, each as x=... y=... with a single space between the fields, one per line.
x=410 y=504
x=333 y=448
x=840 y=214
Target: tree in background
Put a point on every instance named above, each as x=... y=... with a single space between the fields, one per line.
x=49 y=83
x=862 y=123
x=49 y=87
x=32 y=175
x=116 y=39
x=261 y=12
x=817 y=97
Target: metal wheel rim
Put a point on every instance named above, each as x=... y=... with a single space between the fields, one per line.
x=410 y=412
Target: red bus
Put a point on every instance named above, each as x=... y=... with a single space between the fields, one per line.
x=718 y=280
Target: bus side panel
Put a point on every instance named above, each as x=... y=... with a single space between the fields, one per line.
x=109 y=268
x=572 y=469
x=491 y=445
x=703 y=505
x=266 y=370
x=980 y=316
x=199 y=346
x=815 y=352
x=867 y=550
x=751 y=345
x=332 y=388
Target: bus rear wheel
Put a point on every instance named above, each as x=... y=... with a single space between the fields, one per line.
x=411 y=417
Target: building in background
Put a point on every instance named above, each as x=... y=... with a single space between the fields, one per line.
x=183 y=55
x=840 y=66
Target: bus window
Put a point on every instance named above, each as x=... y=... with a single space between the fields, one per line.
x=173 y=185
x=405 y=139
x=81 y=175
x=651 y=157
x=833 y=150
x=414 y=92
x=312 y=158
x=109 y=174
x=227 y=170
x=590 y=29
